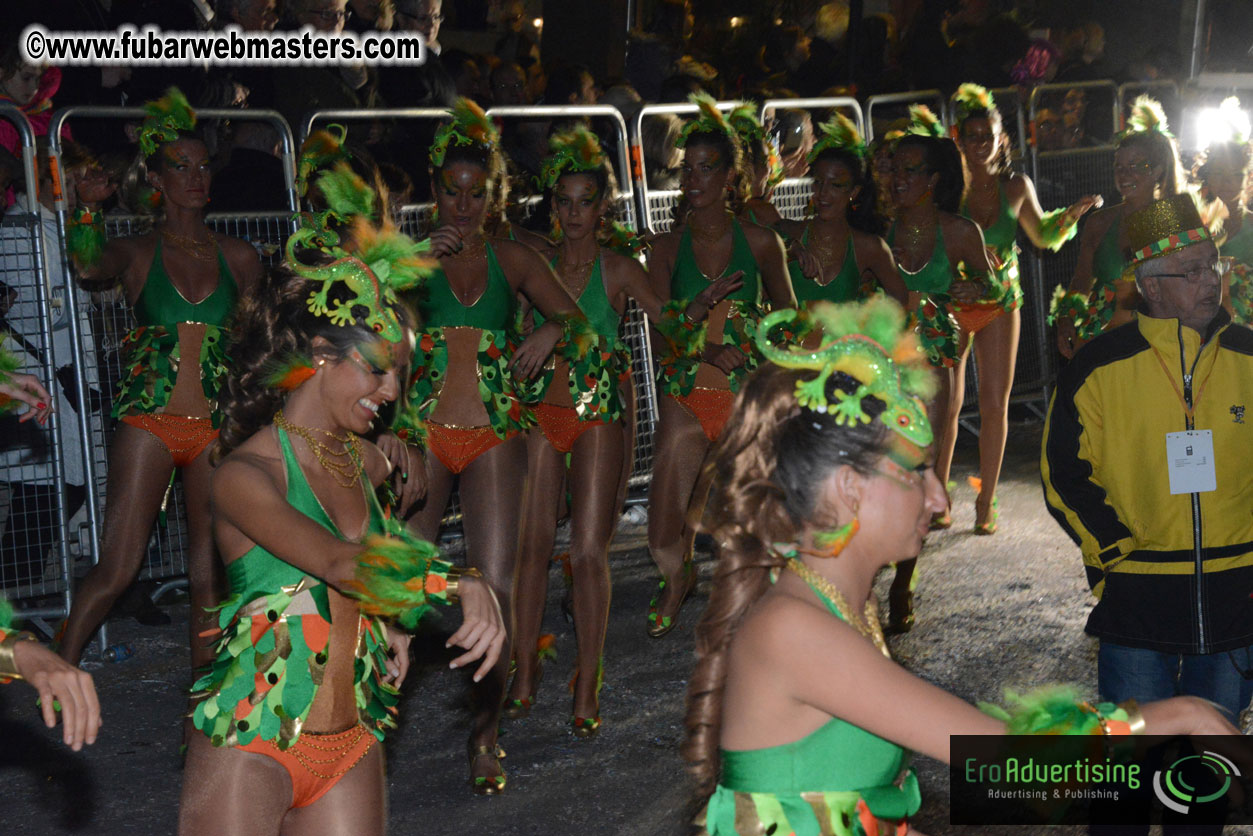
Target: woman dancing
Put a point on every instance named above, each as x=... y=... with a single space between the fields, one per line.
x=817 y=485
x=1223 y=174
x=942 y=260
x=305 y=679
x=838 y=254
x=182 y=282
x=469 y=371
x=579 y=440
x=698 y=389
x=1001 y=203
x=1102 y=293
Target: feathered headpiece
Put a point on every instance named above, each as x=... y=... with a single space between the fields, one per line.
x=378 y=261
x=571 y=151
x=924 y=122
x=869 y=342
x=1146 y=115
x=708 y=120
x=972 y=98
x=469 y=126
x=8 y=365
x=839 y=133
x=743 y=118
x=165 y=118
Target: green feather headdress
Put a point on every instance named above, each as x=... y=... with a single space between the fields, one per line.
x=869 y=342
x=924 y=122
x=573 y=151
x=840 y=133
x=1146 y=115
x=971 y=98
x=377 y=261
x=743 y=118
x=165 y=118
x=469 y=126
x=708 y=120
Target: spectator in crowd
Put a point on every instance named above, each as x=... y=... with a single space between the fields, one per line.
x=370 y=16
x=300 y=90
x=661 y=157
x=1083 y=49
x=508 y=83
x=466 y=76
x=570 y=84
x=1172 y=593
x=653 y=52
x=251 y=180
x=1048 y=130
x=518 y=40
x=423 y=17
x=796 y=139
x=249 y=15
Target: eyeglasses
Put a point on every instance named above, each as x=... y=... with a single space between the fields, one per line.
x=332 y=16
x=1142 y=167
x=1194 y=275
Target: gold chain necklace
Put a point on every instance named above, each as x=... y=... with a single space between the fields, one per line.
x=472 y=249
x=574 y=276
x=867 y=626
x=344 y=465
x=199 y=250
x=711 y=234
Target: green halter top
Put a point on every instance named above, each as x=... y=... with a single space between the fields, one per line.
x=270 y=664
x=845 y=287
x=1108 y=263
x=161 y=303
x=494 y=313
x=687 y=280
x=152 y=348
x=595 y=377
x=1002 y=237
x=933 y=277
x=809 y=787
x=439 y=307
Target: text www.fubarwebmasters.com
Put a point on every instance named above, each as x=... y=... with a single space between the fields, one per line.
x=131 y=46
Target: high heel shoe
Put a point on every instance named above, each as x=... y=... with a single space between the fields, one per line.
x=900 y=612
x=585 y=728
x=658 y=624
x=519 y=708
x=988 y=527
x=487 y=784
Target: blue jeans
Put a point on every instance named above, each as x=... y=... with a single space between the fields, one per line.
x=1125 y=673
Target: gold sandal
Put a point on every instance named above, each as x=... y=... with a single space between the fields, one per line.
x=487 y=784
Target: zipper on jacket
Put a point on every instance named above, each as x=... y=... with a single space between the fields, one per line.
x=1197 y=552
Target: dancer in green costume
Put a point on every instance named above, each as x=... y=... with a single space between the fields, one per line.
x=183 y=281
x=839 y=253
x=1102 y=293
x=1001 y=202
x=696 y=390
x=798 y=720
x=323 y=587
x=1224 y=173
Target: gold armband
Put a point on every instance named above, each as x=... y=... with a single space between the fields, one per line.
x=455 y=574
x=8 y=664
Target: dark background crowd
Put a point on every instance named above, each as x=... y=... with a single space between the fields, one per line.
x=511 y=52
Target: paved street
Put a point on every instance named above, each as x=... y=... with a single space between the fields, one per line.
x=992 y=612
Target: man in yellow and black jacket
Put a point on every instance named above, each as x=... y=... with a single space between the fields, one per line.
x=1172 y=572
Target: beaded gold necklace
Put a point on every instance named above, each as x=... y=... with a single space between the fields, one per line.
x=344 y=465
x=868 y=625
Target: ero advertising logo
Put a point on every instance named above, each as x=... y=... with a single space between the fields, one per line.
x=1194 y=780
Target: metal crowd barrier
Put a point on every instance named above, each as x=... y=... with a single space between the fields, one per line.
x=891 y=106
x=101 y=323
x=1101 y=117
x=35 y=461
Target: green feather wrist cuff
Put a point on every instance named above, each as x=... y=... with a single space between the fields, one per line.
x=84 y=238
x=1056 y=228
x=399 y=576
x=685 y=337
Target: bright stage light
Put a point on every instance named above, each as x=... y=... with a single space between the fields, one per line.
x=1225 y=123
x=538 y=23
x=736 y=21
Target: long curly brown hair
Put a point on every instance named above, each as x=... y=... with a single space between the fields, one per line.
x=767 y=473
x=273 y=328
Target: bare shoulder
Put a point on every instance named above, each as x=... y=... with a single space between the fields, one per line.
x=1100 y=220
x=758 y=235
x=869 y=243
x=236 y=248
x=960 y=229
x=666 y=245
x=616 y=262
x=771 y=629
x=533 y=240
x=1017 y=186
x=257 y=464
x=513 y=252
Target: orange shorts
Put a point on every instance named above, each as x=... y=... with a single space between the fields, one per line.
x=561 y=425
x=974 y=318
x=457 y=447
x=317 y=760
x=185 y=438
x=711 y=407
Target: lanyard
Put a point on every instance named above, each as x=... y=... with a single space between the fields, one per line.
x=1189 y=411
